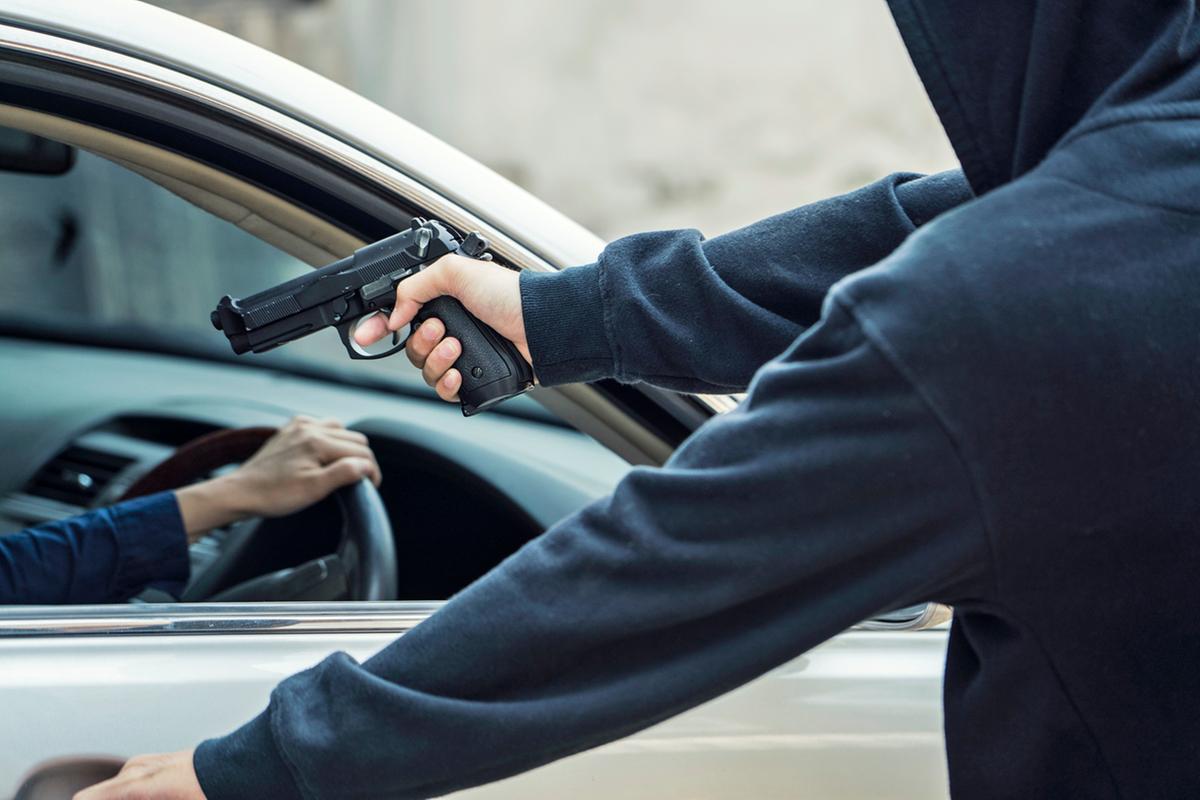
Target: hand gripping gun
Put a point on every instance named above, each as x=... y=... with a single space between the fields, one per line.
x=355 y=287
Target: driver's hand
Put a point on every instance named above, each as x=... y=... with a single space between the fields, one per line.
x=160 y=777
x=303 y=463
x=489 y=291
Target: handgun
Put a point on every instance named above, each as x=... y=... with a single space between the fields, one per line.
x=348 y=290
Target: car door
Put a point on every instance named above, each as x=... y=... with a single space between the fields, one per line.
x=856 y=717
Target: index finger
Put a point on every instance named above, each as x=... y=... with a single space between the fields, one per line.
x=371 y=330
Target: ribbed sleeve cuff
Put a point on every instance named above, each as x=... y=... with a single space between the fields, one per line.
x=245 y=764
x=152 y=543
x=565 y=325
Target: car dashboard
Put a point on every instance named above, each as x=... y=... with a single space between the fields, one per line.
x=80 y=424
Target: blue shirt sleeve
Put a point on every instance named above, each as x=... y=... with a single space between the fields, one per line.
x=105 y=556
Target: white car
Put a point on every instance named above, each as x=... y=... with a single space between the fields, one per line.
x=199 y=165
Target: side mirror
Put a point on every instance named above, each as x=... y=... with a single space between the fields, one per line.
x=25 y=152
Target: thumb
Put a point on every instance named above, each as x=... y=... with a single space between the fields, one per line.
x=428 y=284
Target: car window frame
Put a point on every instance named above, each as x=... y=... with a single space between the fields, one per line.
x=385 y=199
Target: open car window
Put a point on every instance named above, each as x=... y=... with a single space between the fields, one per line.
x=135 y=253
x=101 y=248
x=94 y=248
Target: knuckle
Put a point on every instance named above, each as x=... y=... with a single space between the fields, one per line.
x=437 y=361
x=427 y=339
x=342 y=473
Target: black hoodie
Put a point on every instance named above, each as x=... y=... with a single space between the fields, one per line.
x=994 y=407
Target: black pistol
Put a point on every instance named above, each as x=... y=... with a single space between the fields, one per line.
x=364 y=283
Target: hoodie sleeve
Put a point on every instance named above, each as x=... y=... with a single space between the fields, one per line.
x=694 y=315
x=832 y=493
x=104 y=556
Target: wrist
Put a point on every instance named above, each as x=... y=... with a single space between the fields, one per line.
x=212 y=504
x=564 y=321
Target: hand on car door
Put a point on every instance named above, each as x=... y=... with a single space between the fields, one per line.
x=168 y=776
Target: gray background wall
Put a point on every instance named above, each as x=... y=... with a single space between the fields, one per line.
x=629 y=114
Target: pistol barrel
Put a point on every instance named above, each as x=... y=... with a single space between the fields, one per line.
x=345 y=290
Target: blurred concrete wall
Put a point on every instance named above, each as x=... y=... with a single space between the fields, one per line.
x=629 y=114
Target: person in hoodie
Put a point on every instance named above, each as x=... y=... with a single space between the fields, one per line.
x=977 y=388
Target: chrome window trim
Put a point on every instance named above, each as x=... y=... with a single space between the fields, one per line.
x=209 y=619
x=931 y=615
x=200 y=619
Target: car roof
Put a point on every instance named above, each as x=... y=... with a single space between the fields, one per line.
x=154 y=34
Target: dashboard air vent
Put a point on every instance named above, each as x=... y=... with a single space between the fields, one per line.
x=77 y=475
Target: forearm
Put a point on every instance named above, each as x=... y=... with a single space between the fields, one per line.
x=775 y=527
x=680 y=312
x=104 y=556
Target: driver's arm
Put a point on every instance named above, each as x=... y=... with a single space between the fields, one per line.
x=104 y=556
x=112 y=554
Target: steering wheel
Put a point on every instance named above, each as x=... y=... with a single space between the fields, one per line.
x=363 y=567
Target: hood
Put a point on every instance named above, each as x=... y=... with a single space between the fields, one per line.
x=1010 y=78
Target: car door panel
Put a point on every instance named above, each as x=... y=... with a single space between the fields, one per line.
x=863 y=698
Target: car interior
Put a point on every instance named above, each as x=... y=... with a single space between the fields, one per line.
x=117 y=251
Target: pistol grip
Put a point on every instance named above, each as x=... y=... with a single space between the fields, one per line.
x=492 y=369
